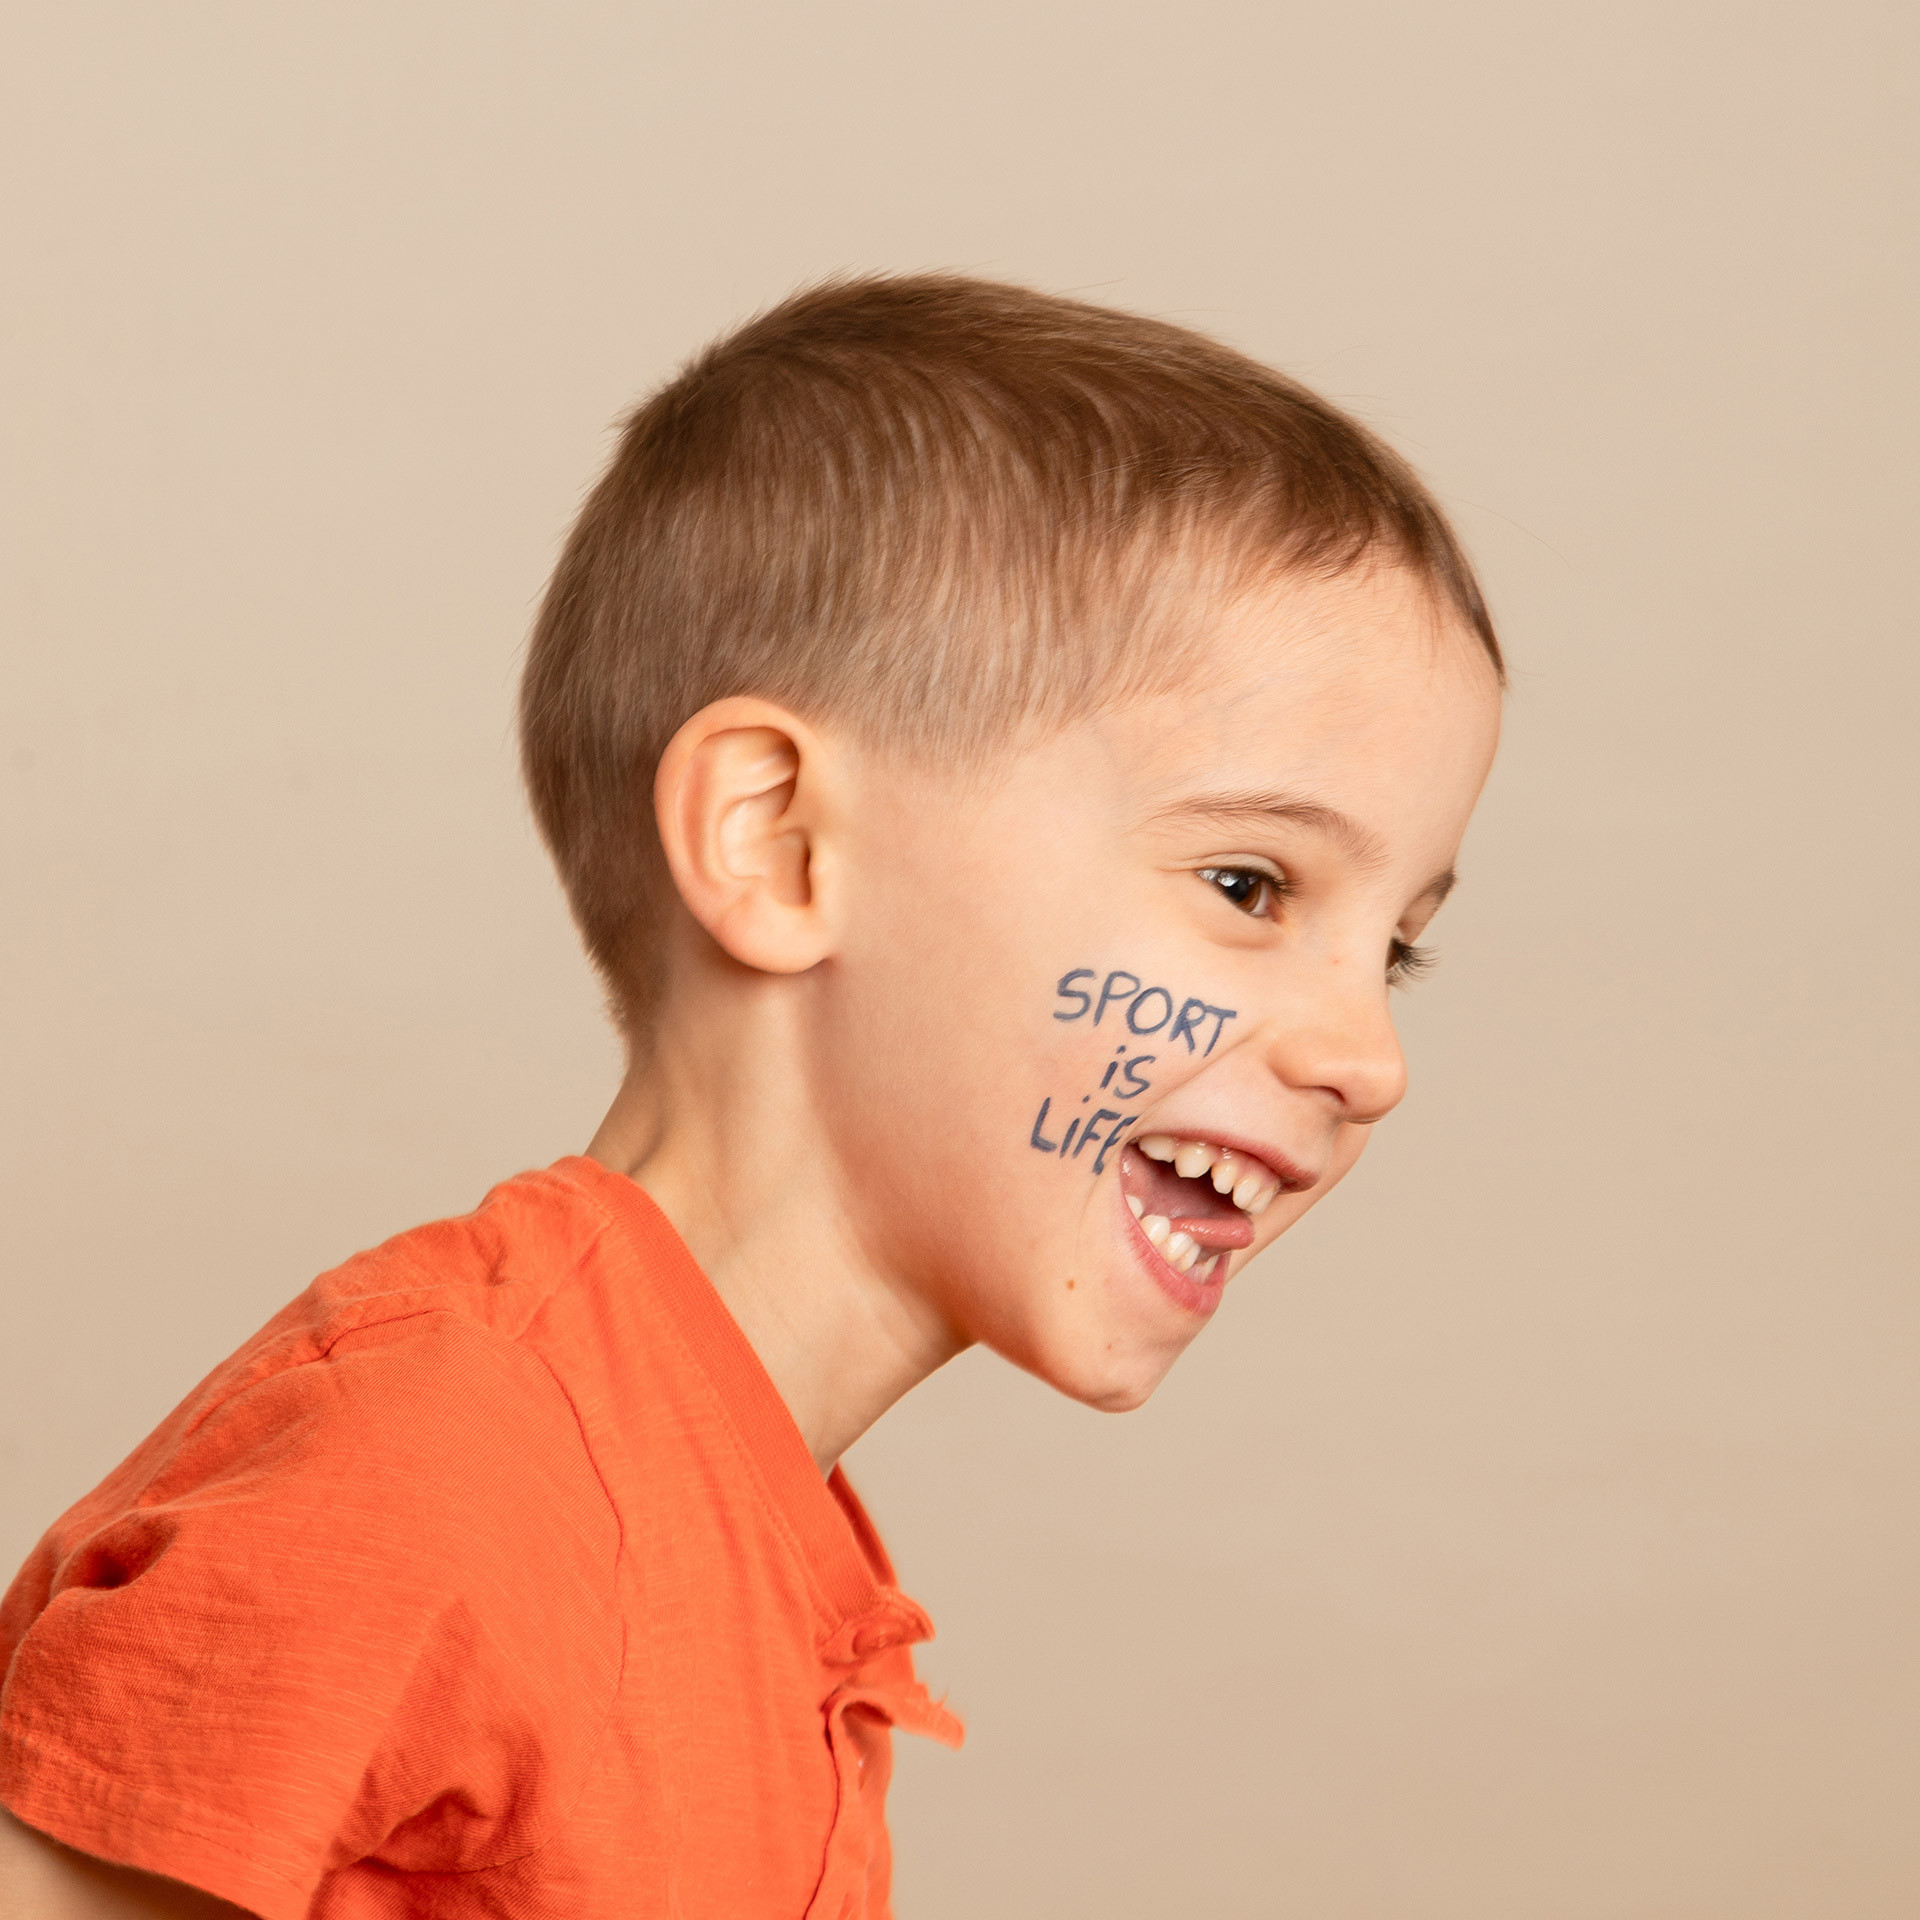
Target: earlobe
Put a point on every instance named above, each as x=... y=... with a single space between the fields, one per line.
x=737 y=803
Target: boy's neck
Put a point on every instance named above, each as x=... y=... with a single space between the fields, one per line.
x=716 y=1126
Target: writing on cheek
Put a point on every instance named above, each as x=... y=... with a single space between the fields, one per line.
x=1144 y=1009
x=1141 y=1010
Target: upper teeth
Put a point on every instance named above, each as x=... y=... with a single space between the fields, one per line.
x=1251 y=1184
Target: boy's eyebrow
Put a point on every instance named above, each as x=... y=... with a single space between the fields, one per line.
x=1364 y=846
x=1278 y=806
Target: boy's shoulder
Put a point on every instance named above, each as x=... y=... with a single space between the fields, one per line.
x=556 y=1275
x=420 y=1343
x=467 y=1387
x=495 y=1273
x=367 y=1523
x=442 y=1386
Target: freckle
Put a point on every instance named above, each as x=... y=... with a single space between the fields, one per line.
x=1071 y=1284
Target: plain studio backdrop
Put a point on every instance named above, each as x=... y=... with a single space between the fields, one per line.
x=1533 y=1536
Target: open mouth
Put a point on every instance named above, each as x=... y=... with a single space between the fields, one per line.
x=1196 y=1202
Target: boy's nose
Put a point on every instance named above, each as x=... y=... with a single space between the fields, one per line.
x=1344 y=1046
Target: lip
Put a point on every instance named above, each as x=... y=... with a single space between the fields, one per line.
x=1202 y=1298
x=1293 y=1177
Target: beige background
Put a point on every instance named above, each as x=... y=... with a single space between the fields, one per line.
x=1534 y=1537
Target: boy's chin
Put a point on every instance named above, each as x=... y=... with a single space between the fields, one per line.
x=1124 y=1398
x=1111 y=1376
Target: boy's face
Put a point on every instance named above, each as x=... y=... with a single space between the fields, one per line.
x=1136 y=985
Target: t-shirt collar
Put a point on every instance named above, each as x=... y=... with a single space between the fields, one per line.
x=828 y=1529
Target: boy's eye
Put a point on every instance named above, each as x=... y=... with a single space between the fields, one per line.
x=1252 y=891
x=1406 y=962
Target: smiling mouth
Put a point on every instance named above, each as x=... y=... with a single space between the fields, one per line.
x=1195 y=1201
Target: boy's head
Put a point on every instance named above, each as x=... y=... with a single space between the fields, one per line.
x=1047 y=730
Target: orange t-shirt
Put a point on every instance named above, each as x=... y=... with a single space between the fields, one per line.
x=492 y=1577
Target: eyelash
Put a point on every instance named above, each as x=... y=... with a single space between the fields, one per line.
x=1406 y=962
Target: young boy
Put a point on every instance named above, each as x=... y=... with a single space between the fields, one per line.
x=999 y=753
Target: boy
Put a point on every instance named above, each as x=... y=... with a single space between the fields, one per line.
x=999 y=753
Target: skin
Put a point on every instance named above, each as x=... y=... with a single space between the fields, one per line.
x=42 y=1880
x=859 y=1027
x=837 y=1107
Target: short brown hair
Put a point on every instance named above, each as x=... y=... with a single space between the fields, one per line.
x=931 y=508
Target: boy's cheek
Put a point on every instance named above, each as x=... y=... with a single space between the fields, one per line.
x=1110 y=1035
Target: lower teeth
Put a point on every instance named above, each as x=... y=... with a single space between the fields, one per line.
x=1175 y=1248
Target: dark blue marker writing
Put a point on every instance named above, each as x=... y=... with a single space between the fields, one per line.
x=1065 y=1146
x=1068 y=991
x=1124 y=990
x=1146 y=1010
x=1191 y=1012
x=1151 y=1026
x=1121 y=1123
x=1107 y=992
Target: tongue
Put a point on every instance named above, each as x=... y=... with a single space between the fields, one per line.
x=1211 y=1230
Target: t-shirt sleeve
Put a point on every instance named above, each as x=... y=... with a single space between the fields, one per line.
x=365 y=1609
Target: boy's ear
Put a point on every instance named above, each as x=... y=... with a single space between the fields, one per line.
x=738 y=800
